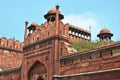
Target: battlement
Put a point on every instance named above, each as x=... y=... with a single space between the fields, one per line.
x=40 y=32
x=72 y=33
x=11 y=44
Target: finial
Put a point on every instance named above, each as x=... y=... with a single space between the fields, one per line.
x=57 y=6
x=104 y=26
x=26 y=23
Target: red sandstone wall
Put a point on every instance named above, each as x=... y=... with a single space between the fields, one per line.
x=101 y=76
x=11 y=60
x=42 y=31
x=10 y=43
x=38 y=53
x=90 y=62
x=15 y=75
x=10 y=53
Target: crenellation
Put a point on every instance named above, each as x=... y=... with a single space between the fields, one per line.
x=3 y=41
x=41 y=32
x=10 y=43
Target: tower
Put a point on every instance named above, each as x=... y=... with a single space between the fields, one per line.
x=43 y=47
x=45 y=44
x=105 y=35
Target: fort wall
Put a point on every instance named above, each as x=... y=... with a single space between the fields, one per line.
x=96 y=63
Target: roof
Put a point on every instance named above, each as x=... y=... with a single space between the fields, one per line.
x=52 y=10
x=105 y=30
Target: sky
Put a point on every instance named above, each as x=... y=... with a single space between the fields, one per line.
x=96 y=14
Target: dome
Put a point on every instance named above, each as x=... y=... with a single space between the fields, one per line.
x=52 y=13
x=104 y=30
x=53 y=10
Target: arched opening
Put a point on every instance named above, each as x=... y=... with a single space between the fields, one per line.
x=53 y=19
x=37 y=71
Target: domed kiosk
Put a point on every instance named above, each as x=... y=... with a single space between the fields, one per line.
x=105 y=35
x=51 y=15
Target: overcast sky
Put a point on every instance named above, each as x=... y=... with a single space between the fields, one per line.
x=82 y=13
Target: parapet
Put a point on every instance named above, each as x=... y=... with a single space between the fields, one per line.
x=11 y=43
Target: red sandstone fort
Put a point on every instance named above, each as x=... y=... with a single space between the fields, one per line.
x=47 y=54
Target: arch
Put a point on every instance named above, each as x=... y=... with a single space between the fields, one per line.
x=37 y=71
x=52 y=18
